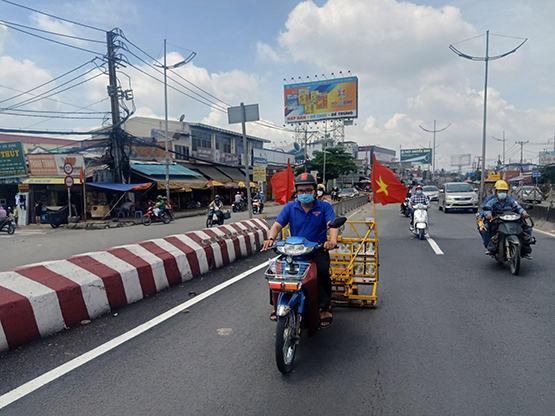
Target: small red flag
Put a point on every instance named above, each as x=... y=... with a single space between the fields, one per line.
x=386 y=187
x=283 y=184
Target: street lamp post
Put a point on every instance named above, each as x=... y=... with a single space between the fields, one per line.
x=485 y=59
x=166 y=149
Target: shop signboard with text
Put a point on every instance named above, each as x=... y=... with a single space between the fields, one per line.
x=12 y=160
x=321 y=100
x=53 y=165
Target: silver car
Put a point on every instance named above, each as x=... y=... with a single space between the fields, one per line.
x=457 y=195
x=431 y=191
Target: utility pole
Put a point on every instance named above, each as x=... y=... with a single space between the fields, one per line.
x=501 y=140
x=246 y=151
x=521 y=143
x=485 y=59
x=434 y=131
x=114 y=100
x=324 y=147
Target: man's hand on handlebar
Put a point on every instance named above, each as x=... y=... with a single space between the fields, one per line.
x=267 y=244
x=525 y=215
x=330 y=244
x=489 y=216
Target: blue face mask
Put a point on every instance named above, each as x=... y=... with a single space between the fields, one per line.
x=305 y=198
x=502 y=195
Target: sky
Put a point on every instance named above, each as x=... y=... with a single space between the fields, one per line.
x=246 y=48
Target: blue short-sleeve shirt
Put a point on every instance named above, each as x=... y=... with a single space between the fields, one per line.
x=311 y=225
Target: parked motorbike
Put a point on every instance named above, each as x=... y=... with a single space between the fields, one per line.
x=8 y=225
x=239 y=206
x=420 y=221
x=293 y=282
x=192 y=204
x=510 y=239
x=149 y=217
x=257 y=206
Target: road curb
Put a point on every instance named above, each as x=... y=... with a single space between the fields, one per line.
x=44 y=298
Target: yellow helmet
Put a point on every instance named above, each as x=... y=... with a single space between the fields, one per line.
x=501 y=185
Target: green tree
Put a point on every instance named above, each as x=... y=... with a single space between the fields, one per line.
x=338 y=162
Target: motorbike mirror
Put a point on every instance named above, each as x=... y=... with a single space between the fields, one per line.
x=337 y=222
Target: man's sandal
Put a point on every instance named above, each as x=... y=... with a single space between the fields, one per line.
x=326 y=320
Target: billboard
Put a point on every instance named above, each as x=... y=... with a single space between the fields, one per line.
x=547 y=158
x=461 y=160
x=12 y=160
x=53 y=165
x=422 y=156
x=321 y=100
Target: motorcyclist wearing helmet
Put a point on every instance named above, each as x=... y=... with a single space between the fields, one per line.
x=497 y=204
x=321 y=193
x=418 y=198
x=308 y=217
x=160 y=206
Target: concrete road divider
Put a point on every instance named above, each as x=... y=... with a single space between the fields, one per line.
x=44 y=298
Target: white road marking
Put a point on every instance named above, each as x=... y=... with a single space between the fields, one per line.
x=434 y=246
x=54 y=374
x=544 y=232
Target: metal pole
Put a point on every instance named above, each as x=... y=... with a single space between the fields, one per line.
x=434 y=151
x=503 y=147
x=324 y=147
x=305 y=146
x=483 y=167
x=246 y=159
x=68 y=203
x=166 y=124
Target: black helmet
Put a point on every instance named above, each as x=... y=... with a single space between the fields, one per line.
x=217 y=197
x=305 y=179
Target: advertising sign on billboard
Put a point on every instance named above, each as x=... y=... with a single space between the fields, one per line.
x=321 y=100
x=461 y=160
x=53 y=165
x=12 y=160
x=547 y=158
x=422 y=156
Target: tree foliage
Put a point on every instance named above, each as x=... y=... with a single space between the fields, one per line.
x=338 y=162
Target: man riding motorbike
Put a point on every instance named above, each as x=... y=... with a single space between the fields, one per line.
x=418 y=198
x=496 y=204
x=308 y=217
x=217 y=205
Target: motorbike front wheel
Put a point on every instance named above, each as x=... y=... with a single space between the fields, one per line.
x=11 y=229
x=514 y=258
x=147 y=220
x=208 y=222
x=285 y=342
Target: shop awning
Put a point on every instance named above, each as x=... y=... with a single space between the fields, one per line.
x=212 y=173
x=159 y=169
x=233 y=173
x=182 y=186
x=212 y=184
x=122 y=187
x=52 y=180
x=242 y=184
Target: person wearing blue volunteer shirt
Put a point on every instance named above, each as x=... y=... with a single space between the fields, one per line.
x=308 y=217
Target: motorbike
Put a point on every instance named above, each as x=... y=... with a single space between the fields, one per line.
x=420 y=221
x=8 y=224
x=257 y=206
x=239 y=206
x=149 y=217
x=510 y=239
x=216 y=217
x=192 y=204
x=293 y=284
x=405 y=207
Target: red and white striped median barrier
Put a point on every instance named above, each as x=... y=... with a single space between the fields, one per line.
x=44 y=298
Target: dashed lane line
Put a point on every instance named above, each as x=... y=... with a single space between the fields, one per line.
x=434 y=246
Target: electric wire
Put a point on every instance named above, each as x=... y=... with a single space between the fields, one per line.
x=47 y=82
x=53 y=16
x=79 y=108
x=53 y=116
x=43 y=95
x=5 y=22
x=53 y=40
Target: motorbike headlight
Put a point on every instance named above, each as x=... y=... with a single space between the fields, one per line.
x=294 y=249
x=510 y=217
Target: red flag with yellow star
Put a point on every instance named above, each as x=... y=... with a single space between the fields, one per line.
x=386 y=187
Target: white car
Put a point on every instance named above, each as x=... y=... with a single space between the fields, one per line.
x=348 y=193
x=457 y=195
x=431 y=191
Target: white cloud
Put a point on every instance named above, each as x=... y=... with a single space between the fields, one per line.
x=54 y=25
x=3 y=35
x=266 y=53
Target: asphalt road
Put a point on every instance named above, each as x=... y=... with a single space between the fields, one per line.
x=34 y=244
x=454 y=334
